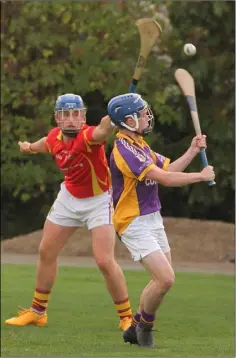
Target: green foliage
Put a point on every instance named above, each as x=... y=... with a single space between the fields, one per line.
x=213 y=71
x=50 y=48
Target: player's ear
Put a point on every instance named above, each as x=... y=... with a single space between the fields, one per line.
x=129 y=121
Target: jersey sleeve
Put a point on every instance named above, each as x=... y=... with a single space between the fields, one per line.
x=88 y=136
x=130 y=161
x=50 y=139
x=160 y=161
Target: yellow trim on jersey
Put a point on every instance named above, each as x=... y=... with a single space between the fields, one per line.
x=143 y=144
x=153 y=155
x=124 y=214
x=166 y=163
x=47 y=146
x=95 y=185
x=88 y=141
x=57 y=145
x=59 y=136
x=108 y=177
x=144 y=173
x=139 y=141
x=108 y=174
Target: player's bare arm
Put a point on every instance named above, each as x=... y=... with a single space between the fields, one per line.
x=177 y=179
x=181 y=163
x=103 y=130
x=33 y=148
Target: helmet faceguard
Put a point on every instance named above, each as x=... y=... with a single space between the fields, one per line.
x=131 y=105
x=71 y=120
x=70 y=114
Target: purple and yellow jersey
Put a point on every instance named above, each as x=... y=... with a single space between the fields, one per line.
x=133 y=195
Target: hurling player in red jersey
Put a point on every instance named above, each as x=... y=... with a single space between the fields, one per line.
x=84 y=199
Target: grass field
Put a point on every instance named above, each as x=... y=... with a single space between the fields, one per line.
x=196 y=319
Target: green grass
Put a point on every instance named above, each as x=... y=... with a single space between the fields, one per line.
x=196 y=319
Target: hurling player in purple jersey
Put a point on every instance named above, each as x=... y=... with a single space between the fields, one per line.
x=136 y=173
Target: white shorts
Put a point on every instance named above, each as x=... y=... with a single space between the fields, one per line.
x=145 y=235
x=68 y=210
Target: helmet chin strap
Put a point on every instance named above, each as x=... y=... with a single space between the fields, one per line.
x=72 y=133
x=144 y=133
x=147 y=131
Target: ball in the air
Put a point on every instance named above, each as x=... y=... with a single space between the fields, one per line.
x=190 y=49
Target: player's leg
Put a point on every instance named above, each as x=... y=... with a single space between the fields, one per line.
x=160 y=284
x=137 y=316
x=99 y=222
x=103 y=241
x=146 y=240
x=168 y=256
x=57 y=230
x=130 y=335
x=163 y=271
x=54 y=238
x=158 y=232
x=163 y=278
x=151 y=297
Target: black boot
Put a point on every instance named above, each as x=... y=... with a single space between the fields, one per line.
x=145 y=336
x=130 y=335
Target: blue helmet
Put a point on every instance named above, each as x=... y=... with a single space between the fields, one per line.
x=69 y=101
x=129 y=105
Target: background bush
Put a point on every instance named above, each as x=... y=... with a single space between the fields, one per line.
x=51 y=48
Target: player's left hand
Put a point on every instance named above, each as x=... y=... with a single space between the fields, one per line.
x=198 y=142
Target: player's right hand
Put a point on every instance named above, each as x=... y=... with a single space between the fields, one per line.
x=208 y=173
x=24 y=147
x=106 y=122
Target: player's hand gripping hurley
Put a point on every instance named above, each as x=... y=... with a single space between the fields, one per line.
x=149 y=31
x=186 y=83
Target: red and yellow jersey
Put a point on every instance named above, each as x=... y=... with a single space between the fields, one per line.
x=82 y=161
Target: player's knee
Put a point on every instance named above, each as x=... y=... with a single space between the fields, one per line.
x=168 y=281
x=165 y=281
x=104 y=264
x=45 y=254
